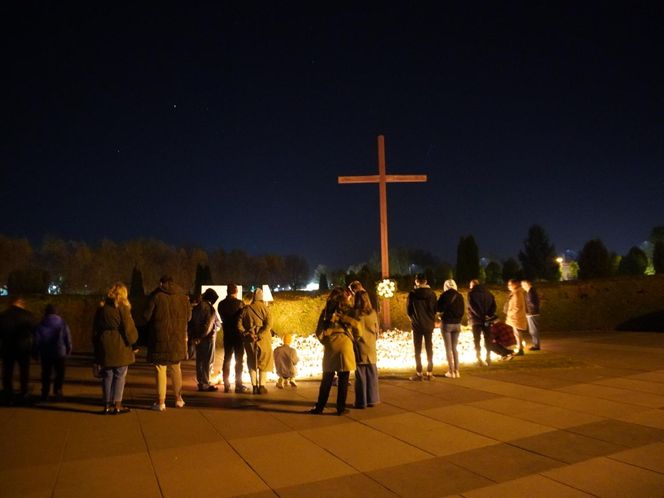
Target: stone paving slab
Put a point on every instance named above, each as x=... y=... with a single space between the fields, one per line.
x=563 y=422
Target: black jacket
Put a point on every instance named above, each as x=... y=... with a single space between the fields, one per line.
x=481 y=305
x=16 y=326
x=167 y=315
x=532 y=302
x=229 y=311
x=450 y=306
x=422 y=309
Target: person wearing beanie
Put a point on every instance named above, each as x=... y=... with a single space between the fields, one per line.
x=204 y=325
x=255 y=325
x=285 y=360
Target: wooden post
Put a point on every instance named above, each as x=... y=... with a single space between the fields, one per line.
x=382 y=179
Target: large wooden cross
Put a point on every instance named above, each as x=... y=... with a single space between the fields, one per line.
x=382 y=179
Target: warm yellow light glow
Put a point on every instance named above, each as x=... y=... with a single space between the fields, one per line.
x=394 y=350
x=559 y=260
x=386 y=288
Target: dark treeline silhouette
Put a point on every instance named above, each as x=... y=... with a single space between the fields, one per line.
x=79 y=268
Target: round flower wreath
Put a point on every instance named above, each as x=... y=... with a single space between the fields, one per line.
x=386 y=288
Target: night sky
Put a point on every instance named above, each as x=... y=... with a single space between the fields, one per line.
x=226 y=124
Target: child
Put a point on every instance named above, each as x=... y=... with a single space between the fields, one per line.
x=285 y=359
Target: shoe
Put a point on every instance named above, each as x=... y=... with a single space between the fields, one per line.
x=416 y=377
x=121 y=410
x=345 y=411
x=519 y=353
x=59 y=397
x=449 y=375
x=262 y=390
x=241 y=389
x=315 y=411
x=429 y=376
x=488 y=362
x=179 y=403
x=280 y=383
x=293 y=384
x=227 y=388
x=359 y=407
x=370 y=405
x=106 y=411
x=254 y=390
x=457 y=375
x=482 y=363
x=208 y=389
x=507 y=357
x=159 y=407
x=533 y=348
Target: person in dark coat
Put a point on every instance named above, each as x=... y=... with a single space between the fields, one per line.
x=532 y=313
x=229 y=311
x=52 y=344
x=366 y=372
x=422 y=313
x=114 y=336
x=255 y=325
x=481 y=306
x=450 y=306
x=167 y=315
x=16 y=327
x=336 y=331
x=204 y=325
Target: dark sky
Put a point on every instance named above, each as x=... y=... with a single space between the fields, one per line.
x=226 y=124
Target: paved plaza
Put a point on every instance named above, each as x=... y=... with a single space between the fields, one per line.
x=584 y=417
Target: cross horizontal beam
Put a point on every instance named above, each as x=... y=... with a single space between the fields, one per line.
x=388 y=179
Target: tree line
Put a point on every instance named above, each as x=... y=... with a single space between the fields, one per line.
x=76 y=267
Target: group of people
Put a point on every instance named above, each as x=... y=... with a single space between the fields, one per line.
x=425 y=310
x=177 y=330
x=23 y=337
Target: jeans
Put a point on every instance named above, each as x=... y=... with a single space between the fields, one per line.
x=451 y=338
x=518 y=333
x=204 y=356
x=112 y=384
x=533 y=329
x=428 y=344
x=366 y=385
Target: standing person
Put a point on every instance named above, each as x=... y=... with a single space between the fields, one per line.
x=114 y=334
x=285 y=361
x=336 y=331
x=366 y=373
x=532 y=313
x=515 y=309
x=255 y=325
x=52 y=344
x=422 y=313
x=481 y=307
x=450 y=306
x=167 y=315
x=203 y=325
x=16 y=327
x=229 y=311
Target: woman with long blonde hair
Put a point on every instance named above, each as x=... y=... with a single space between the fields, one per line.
x=114 y=334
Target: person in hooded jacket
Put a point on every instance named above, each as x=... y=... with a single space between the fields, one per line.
x=167 y=315
x=422 y=313
x=451 y=307
x=204 y=325
x=481 y=309
x=51 y=343
x=337 y=330
x=255 y=325
x=515 y=309
x=229 y=311
x=113 y=338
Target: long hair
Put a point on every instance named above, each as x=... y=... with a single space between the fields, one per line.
x=362 y=303
x=118 y=293
x=336 y=301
